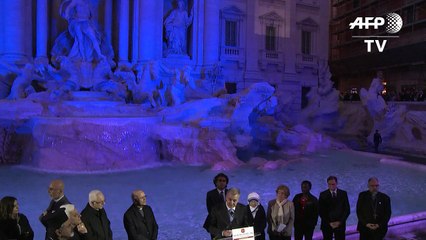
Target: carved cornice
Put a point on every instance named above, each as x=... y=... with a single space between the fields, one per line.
x=311 y=5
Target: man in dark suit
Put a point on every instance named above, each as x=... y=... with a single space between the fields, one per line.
x=52 y=218
x=373 y=209
x=216 y=196
x=95 y=218
x=334 y=209
x=139 y=220
x=227 y=216
x=306 y=212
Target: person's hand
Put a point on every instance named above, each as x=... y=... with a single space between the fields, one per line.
x=335 y=224
x=227 y=233
x=81 y=228
x=370 y=226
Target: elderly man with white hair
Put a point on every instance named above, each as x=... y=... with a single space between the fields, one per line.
x=95 y=218
x=71 y=227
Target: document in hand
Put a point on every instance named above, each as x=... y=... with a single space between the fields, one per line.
x=246 y=233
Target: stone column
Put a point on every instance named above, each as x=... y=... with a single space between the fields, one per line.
x=108 y=20
x=2 y=36
x=135 y=32
x=252 y=44
x=42 y=31
x=211 y=32
x=15 y=37
x=123 y=31
x=150 y=30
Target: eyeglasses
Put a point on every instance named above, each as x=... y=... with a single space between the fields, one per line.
x=100 y=202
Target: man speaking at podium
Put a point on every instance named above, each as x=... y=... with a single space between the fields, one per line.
x=228 y=216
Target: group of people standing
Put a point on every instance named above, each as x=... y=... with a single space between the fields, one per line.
x=282 y=215
x=225 y=212
x=62 y=220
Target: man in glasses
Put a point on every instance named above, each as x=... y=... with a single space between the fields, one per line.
x=228 y=215
x=51 y=217
x=373 y=209
x=95 y=218
x=139 y=220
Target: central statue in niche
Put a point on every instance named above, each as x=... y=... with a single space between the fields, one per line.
x=176 y=25
x=82 y=50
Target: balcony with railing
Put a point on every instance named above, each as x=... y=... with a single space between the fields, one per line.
x=267 y=57
x=306 y=61
x=235 y=54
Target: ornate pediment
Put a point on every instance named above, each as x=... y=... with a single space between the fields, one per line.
x=309 y=22
x=232 y=12
x=272 y=2
x=271 y=18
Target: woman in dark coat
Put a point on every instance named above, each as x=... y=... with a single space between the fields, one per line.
x=13 y=225
x=256 y=215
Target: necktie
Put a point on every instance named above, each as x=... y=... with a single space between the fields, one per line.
x=231 y=215
x=333 y=194
x=221 y=196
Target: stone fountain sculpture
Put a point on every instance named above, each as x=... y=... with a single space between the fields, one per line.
x=323 y=105
x=83 y=52
x=176 y=24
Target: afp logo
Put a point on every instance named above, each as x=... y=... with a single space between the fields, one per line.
x=392 y=23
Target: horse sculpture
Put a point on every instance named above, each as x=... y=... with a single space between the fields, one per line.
x=147 y=85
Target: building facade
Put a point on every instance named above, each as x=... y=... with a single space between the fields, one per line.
x=403 y=60
x=278 y=41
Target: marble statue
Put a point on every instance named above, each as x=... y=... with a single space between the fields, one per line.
x=81 y=53
x=21 y=86
x=181 y=82
x=372 y=98
x=147 y=85
x=176 y=25
x=323 y=105
x=86 y=40
x=259 y=97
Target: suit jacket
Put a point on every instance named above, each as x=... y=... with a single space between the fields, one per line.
x=220 y=221
x=366 y=208
x=307 y=216
x=9 y=229
x=97 y=223
x=258 y=222
x=54 y=217
x=333 y=209
x=213 y=198
x=138 y=227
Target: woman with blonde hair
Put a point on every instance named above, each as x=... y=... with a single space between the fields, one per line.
x=280 y=215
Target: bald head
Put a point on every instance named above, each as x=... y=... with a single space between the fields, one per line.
x=139 y=198
x=373 y=185
x=56 y=189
